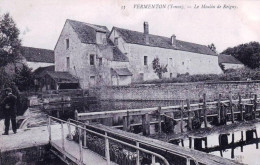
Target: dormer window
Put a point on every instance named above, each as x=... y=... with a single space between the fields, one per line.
x=67 y=43
x=101 y=38
x=104 y=41
x=116 y=41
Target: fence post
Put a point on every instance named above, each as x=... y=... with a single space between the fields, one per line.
x=204 y=110
x=189 y=113
x=126 y=124
x=62 y=104
x=231 y=107
x=146 y=124
x=182 y=109
x=69 y=129
x=62 y=136
x=159 y=120
x=153 y=160
x=49 y=128
x=188 y=161
x=240 y=107
x=76 y=115
x=190 y=142
x=85 y=137
x=137 y=154
x=80 y=146
x=219 y=108
x=107 y=149
x=255 y=105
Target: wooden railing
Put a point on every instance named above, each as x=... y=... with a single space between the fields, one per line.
x=81 y=129
x=202 y=110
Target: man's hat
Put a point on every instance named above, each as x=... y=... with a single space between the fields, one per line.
x=8 y=90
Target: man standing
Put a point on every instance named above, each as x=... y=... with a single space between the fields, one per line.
x=9 y=106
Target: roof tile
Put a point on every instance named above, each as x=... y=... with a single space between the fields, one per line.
x=135 y=37
x=37 y=54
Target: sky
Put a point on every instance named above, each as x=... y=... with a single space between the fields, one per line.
x=41 y=21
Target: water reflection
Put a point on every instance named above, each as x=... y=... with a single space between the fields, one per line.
x=242 y=146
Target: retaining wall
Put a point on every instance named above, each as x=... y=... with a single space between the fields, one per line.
x=176 y=91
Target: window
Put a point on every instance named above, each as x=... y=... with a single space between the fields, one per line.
x=104 y=41
x=170 y=63
x=100 y=61
x=68 y=63
x=170 y=75
x=116 y=41
x=92 y=80
x=92 y=59
x=145 y=60
x=182 y=63
x=67 y=43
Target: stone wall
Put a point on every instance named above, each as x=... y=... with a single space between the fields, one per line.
x=176 y=91
x=32 y=155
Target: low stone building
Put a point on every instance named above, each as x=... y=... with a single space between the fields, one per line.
x=59 y=80
x=229 y=62
x=36 y=57
x=99 y=57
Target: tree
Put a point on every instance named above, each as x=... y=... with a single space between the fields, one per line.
x=9 y=43
x=158 y=68
x=212 y=47
x=248 y=54
x=24 y=78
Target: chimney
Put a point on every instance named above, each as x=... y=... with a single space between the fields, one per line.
x=146 y=32
x=146 y=28
x=116 y=41
x=173 y=40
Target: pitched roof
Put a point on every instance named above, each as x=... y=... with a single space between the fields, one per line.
x=37 y=54
x=121 y=71
x=87 y=32
x=223 y=58
x=39 y=72
x=62 y=77
x=135 y=37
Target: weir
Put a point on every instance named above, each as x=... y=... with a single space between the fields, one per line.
x=219 y=112
x=80 y=141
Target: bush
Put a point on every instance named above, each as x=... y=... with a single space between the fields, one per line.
x=243 y=74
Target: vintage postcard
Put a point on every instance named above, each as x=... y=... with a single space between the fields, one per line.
x=129 y=82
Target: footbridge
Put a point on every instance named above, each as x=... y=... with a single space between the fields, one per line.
x=81 y=143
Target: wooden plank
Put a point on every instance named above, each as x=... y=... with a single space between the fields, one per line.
x=146 y=124
x=189 y=115
x=182 y=109
x=255 y=105
x=219 y=108
x=231 y=107
x=204 y=110
x=159 y=120
x=240 y=108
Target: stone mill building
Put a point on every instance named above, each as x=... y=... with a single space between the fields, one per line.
x=97 y=56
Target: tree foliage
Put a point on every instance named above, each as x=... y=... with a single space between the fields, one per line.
x=158 y=68
x=212 y=47
x=248 y=54
x=9 y=41
x=24 y=78
x=9 y=45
